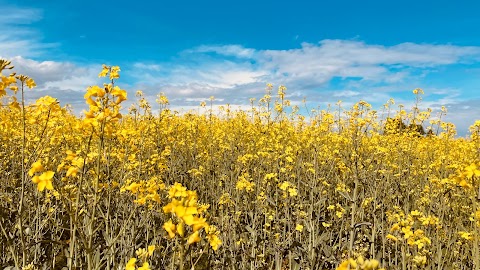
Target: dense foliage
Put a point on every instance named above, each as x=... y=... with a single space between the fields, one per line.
x=265 y=188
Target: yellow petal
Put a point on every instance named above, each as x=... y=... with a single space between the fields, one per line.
x=35 y=179
x=151 y=249
x=131 y=264
x=180 y=229
x=193 y=238
x=49 y=185
x=41 y=185
x=145 y=266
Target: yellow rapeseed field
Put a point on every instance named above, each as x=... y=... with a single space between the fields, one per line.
x=265 y=188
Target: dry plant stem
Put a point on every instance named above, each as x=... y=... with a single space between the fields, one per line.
x=10 y=247
x=476 y=255
x=181 y=254
x=74 y=218
x=91 y=224
x=354 y=200
x=22 y=194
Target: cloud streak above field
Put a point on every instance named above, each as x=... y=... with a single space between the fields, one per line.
x=225 y=68
x=324 y=72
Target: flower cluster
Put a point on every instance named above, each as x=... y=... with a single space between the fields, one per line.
x=186 y=211
x=142 y=256
x=360 y=263
x=43 y=180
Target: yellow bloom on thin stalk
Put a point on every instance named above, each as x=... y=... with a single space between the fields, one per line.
x=30 y=83
x=150 y=250
x=36 y=167
x=170 y=228
x=194 y=238
x=44 y=181
x=131 y=264
x=104 y=72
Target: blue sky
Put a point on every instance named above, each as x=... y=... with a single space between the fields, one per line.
x=191 y=50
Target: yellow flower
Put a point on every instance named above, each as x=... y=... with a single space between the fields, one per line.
x=417 y=91
x=182 y=211
x=72 y=171
x=104 y=71
x=472 y=170
x=14 y=88
x=131 y=264
x=169 y=208
x=395 y=227
x=420 y=260
x=466 y=235
x=91 y=102
x=243 y=183
x=181 y=229
x=194 y=237
x=44 y=181
x=133 y=187
x=407 y=232
x=145 y=266
x=177 y=190
x=114 y=72
x=371 y=264
x=120 y=94
x=170 y=228
x=141 y=252
x=150 y=249
x=215 y=241
x=299 y=227
x=30 y=83
x=415 y=213
x=345 y=265
x=392 y=237
x=197 y=223
x=14 y=104
x=36 y=167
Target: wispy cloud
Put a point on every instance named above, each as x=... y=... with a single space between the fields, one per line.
x=344 y=58
x=13 y=15
x=17 y=37
x=346 y=93
x=225 y=50
x=309 y=68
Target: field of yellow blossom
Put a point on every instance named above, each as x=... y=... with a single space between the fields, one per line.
x=265 y=188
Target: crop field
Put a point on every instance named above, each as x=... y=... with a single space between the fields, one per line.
x=146 y=187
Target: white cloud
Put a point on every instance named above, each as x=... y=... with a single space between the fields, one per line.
x=63 y=80
x=236 y=73
x=54 y=74
x=17 y=37
x=153 y=67
x=226 y=50
x=346 y=93
x=13 y=15
x=329 y=58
